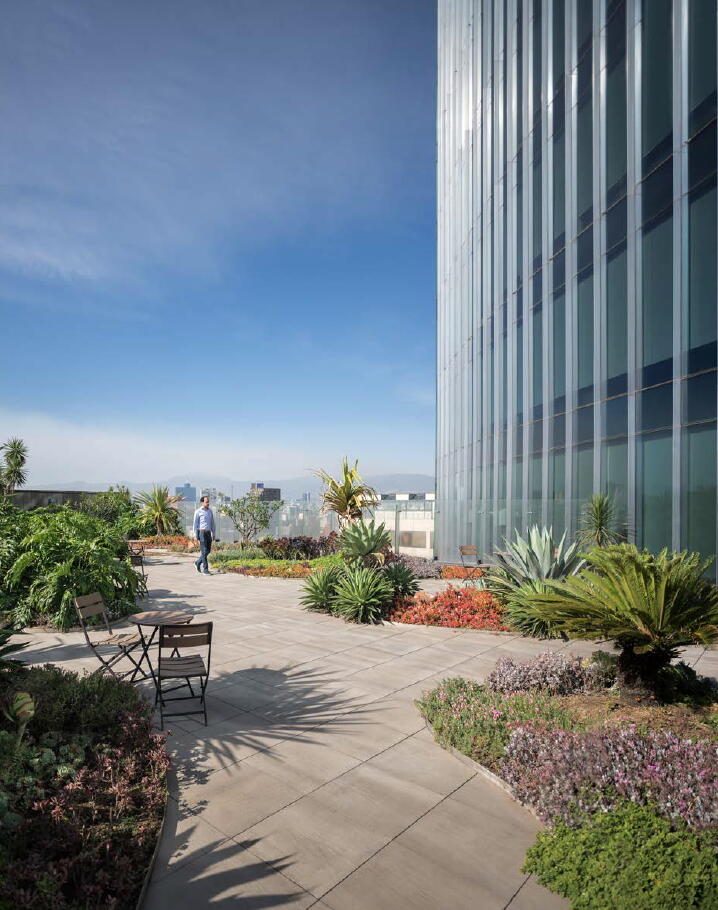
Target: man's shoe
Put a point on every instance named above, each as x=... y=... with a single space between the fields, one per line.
x=205 y=572
x=196 y=565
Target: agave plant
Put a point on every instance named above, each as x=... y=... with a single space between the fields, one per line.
x=599 y=522
x=349 y=495
x=364 y=543
x=525 y=561
x=362 y=594
x=320 y=589
x=402 y=579
x=649 y=605
x=161 y=509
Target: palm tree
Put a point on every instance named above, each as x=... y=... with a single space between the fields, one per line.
x=349 y=495
x=12 y=468
x=161 y=509
x=599 y=522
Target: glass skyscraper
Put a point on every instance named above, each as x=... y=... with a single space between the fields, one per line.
x=577 y=267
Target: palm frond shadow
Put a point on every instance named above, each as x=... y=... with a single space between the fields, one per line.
x=262 y=707
x=221 y=872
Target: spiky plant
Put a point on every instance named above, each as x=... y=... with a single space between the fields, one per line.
x=364 y=543
x=320 y=588
x=599 y=523
x=520 y=615
x=348 y=495
x=402 y=579
x=362 y=594
x=161 y=509
x=650 y=605
x=532 y=559
x=12 y=466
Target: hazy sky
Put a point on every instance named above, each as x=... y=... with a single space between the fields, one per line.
x=217 y=236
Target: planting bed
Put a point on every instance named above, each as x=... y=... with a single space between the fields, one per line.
x=573 y=748
x=82 y=790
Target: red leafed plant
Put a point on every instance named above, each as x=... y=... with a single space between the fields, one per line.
x=455 y=608
x=461 y=572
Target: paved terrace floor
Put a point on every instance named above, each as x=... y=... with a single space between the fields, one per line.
x=316 y=783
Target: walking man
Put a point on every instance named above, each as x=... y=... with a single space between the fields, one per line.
x=204 y=529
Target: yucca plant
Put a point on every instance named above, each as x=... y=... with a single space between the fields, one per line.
x=161 y=509
x=599 y=523
x=650 y=605
x=12 y=465
x=362 y=594
x=401 y=578
x=347 y=496
x=364 y=543
x=319 y=589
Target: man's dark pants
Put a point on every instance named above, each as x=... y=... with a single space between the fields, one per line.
x=205 y=548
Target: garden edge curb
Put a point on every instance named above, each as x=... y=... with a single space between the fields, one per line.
x=484 y=772
x=416 y=625
x=169 y=779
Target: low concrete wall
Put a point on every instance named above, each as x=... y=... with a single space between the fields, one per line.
x=33 y=499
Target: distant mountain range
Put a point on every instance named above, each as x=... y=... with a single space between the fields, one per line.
x=292 y=488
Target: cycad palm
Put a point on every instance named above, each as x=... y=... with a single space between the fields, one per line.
x=348 y=496
x=650 y=605
x=161 y=509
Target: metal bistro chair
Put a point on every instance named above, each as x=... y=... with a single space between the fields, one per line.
x=89 y=605
x=174 y=638
x=470 y=562
x=137 y=561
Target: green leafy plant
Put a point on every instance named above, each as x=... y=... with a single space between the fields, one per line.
x=402 y=580
x=362 y=594
x=348 y=495
x=629 y=858
x=161 y=509
x=250 y=515
x=62 y=554
x=650 y=605
x=520 y=614
x=319 y=589
x=12 y=465
x=599 y=523
x=364 y=543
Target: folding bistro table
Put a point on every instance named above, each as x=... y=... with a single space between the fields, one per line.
x=155 y=619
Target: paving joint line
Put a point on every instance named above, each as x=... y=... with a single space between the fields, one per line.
x=403 y=831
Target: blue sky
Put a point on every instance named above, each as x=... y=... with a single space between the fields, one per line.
x=217 y=235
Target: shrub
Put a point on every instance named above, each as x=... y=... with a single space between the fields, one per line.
x=86 y=783
x=565 y=774
x=455 y=608
x=300 y=547
x=62 y=554
x=364 y=543
x=178 y=543
x=630 y=858
x=320 y=590
x=650 y=605
x=478 y=722
x=362 y=594
x=401 y=578
x=278 y=570
x=552 y=672
x=422 y=568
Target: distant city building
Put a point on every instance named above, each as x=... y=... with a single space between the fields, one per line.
x=187 y=492
x=272 y=494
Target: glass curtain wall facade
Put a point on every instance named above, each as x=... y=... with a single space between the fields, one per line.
x=577 y=268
